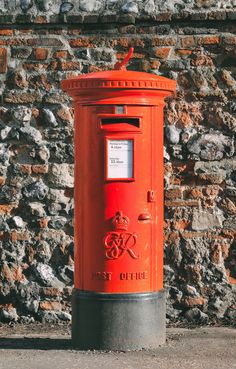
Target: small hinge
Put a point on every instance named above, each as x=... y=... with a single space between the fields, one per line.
x=151 y=196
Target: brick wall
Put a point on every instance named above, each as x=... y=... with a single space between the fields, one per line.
x=41 y=44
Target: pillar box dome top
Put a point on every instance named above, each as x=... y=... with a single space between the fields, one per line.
x=117 y=79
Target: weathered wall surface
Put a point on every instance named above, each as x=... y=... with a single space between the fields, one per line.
x=43 y=42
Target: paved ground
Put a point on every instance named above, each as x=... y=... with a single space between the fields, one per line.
x=201 y=348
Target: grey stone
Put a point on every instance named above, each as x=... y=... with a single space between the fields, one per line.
x=27 y=319
x=37 y=190
x=63 y=315
x=172 y=134
x=43 y=153
x=231 y=315
x=61 y=152
x=26 y=5
x=61 y=175
x=5 y=133
x=169 y=273
x=197 y=316
x=230 y=191
x=3 y=224
x=8 y=314
x=211 y=146
x=166 y=155
x=187 y=134
x=230 y=223
x=46 y=275
x=43 y=251
x=177 y=151
x=226 y=165
x=130 y=7
x=66 y=7
x=191 y=291
x=57 y=196
x=57 y=222
x=49 y=118
x=32 y=305
x=10 y=194
x=207 y=219
x=219 y=306
x=66 y=273
x=44 y=5
x=4 y=154
x=37 y=209
x=149 y=7
x=48 y=317
x=18 y=222
x=54 y=208
x=90 y=6
x=101 y=53
x=31 y=134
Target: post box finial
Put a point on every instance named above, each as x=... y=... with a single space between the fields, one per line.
x=122 y=65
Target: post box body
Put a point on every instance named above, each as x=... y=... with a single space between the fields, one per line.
x=118 y=209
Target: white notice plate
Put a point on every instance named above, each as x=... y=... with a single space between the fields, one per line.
x=119 y=159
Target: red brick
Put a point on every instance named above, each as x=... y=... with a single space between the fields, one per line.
x=35 y=113
x=41 y=54
x=51 y=292
x=6 y=32
x=3 y=60
x=183 y=52
x=50 y=305
x=195 y=193
x=128 y=42
x=194 y=234
x=202 y=59
x=6 y=209
x=61 y=54
x=208 y=40
x=94 y=68
x=2 y=181
x=181 y=203
x=12 y=274
x=70 y=65
x=187 y=41
x=82 y=42
x=26 y=168
x=164 y=41
x=40 y=19
x=121 y=56
x=180 y=225
x=43 y=223
x=155 y=64
x=162 y=52
x=175 y=193
x=40 y=169
x=19 y=236
x=194 y=301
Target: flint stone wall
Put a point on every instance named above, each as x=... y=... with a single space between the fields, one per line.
x=43 y=42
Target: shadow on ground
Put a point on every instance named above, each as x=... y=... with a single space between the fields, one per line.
x=27 y=343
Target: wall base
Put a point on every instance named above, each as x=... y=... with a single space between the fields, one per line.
x=104 y=321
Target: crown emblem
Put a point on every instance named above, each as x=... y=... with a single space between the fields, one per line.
x=120 y=221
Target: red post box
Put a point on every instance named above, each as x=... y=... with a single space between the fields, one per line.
x=118 y=300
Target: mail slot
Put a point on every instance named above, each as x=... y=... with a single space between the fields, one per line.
x=118 y=297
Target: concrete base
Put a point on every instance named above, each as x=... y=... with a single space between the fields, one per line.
x=131 y=321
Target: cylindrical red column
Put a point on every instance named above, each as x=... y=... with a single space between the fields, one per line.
x=118 y=299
